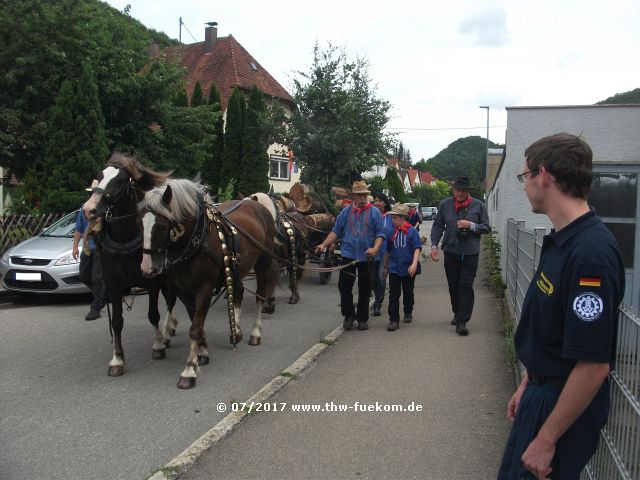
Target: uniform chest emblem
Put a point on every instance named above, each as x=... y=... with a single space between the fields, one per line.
x=588 y=306
x=544 y=284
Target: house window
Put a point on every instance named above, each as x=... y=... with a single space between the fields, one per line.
x=279 y=169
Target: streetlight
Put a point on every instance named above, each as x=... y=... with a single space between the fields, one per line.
x=486 y=163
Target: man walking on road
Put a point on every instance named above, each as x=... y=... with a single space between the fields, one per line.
x=462 y=219
x=360 y=227
x=566 y=336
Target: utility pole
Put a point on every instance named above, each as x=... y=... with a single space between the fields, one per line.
x=486 y=162
x=180 y=30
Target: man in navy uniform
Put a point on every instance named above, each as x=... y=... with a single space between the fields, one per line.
x=566 y=336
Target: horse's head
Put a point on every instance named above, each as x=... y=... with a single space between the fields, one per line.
x=158 y=228
x=120 y=185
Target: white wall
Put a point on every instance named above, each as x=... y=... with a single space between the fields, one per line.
x=612 y=131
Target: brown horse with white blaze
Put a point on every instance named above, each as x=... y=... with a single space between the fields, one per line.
x=205 y=248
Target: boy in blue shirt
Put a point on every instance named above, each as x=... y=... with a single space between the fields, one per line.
x=401 y=263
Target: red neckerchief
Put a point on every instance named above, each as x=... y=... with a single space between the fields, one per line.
x=464 y=204
x=358 y=211
x=404 y=228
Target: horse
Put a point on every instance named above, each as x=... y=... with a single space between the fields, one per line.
x=207 y=248
x=290 y=245
x=113 y=208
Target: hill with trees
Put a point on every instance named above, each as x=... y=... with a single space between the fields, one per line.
x=630 y=97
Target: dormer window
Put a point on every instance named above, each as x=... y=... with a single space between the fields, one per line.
x=254 y=66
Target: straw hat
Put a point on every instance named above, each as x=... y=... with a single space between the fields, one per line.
x=93 y=186
x=359 y=187
x=400 y=209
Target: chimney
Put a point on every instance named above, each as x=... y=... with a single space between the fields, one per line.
x=210 y=37
x=154 y=49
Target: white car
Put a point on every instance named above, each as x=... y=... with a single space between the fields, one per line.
x=44 y=263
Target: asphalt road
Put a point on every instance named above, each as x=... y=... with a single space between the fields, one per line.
x=62 y=417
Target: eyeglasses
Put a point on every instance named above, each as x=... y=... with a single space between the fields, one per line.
x=523 y=176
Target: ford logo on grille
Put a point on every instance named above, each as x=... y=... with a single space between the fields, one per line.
x=28 y=261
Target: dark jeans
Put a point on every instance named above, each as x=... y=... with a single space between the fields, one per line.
x=396 y=282
x=346 y=280
x=91 y=276
x=461 y=272
x=381 y=284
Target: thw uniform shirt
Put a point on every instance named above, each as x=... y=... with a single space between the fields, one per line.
x=570 y=309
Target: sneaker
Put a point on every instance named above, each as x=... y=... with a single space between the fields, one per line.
x=408 y=318
x=363 y=326
x=376 y=312
x=347 y=323
x=461 y=329
x=393 y=326
x=92 y=315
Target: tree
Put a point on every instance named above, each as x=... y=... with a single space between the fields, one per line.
x=76 y=146
x=395 y=185
x=213 y=162
x=197 y=98
x=254 y=168
x=337 y=129
x=377 y=184
x=464 y=157
x=632 y=96
x=233 y=141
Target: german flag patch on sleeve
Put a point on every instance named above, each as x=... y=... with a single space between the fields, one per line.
x=590 y=282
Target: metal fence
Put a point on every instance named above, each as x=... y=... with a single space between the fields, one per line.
x=17 y=228
x=618 y=455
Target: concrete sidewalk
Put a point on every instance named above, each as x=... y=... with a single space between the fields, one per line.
x=462 y=384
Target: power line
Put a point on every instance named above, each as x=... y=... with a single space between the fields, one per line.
x=445 y=128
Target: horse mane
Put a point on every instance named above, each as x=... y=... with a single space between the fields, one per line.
x=144 y=177
x=184 y=204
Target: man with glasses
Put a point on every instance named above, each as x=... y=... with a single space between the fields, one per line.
x=462 y=219
x=566 y=336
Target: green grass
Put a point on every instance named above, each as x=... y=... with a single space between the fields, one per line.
x=288 y=375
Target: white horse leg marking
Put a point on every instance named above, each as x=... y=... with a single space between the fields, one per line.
x=191 y=370
x=170 y=325
x=158 y=340
x=256 y=331
x=116 y=361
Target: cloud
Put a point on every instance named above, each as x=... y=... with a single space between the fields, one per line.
x=488 y=26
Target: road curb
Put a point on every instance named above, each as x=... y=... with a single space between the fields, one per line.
x=188 y=457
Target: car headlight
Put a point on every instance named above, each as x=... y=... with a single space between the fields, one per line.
x=6 y=256
x=67 y=260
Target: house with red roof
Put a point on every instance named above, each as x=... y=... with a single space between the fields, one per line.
x=427 y=179
x=223 y=61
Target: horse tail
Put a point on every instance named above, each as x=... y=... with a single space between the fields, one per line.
x=273 y=278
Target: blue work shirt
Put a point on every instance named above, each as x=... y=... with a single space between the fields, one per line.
x=570 y=310
x=401 y=251
x=81 y=225
x=358 y=232
x=387 y=225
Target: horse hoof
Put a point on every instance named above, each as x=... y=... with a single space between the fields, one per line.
x=238 y=338
x=172 y=332
x=254 y=341
x=186 y=383
x=167 y=342
x=268 y=309
x=293 y=299
x=115 y=371
x=159 y=354
x=203 y=360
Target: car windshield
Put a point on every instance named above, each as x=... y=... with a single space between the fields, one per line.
x=63 y=227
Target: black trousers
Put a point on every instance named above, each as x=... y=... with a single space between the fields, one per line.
x=91 y=275
x=396 y=282
x=346 y=280
x=461 y=272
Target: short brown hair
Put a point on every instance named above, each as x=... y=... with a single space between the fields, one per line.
x=568 y=158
